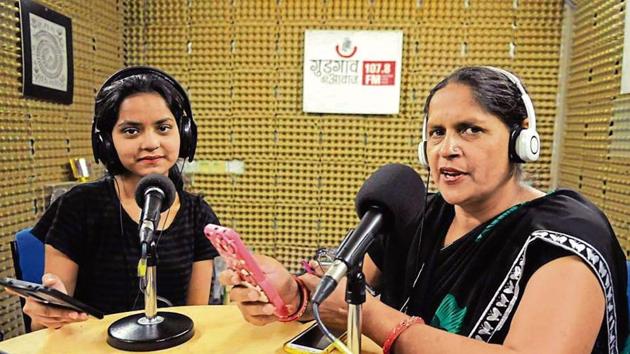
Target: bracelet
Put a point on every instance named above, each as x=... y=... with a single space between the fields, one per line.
x=395 y=333
x=304 y=296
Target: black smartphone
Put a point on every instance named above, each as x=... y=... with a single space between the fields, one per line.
x=49 y=296
x=312 y=340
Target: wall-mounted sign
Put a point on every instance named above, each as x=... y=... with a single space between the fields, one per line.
x=352 y=71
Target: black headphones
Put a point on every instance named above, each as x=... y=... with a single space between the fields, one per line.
x=102 y=144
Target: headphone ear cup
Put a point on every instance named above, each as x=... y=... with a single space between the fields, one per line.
x=515 y=132
x=188 y=138
x=184 y=136
x=422 y=153
x=527 y=145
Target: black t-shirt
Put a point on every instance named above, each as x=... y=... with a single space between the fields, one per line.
x=473 y=286
x=88 y=225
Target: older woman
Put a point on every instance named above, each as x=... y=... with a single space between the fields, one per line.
x=494 y=265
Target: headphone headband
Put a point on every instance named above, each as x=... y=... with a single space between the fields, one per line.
x=527 y=101
x=102 y=146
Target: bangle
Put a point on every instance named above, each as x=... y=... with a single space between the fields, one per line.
x=395 y=333
x=304 y=296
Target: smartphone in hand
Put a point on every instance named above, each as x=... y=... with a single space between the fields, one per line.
x=238 y=258
x=49 y=296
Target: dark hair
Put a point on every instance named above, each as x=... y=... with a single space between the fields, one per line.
x=107 y=107
x=493 y=91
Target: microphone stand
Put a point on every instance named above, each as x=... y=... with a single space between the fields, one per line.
x=151 y=330
x=355 y=297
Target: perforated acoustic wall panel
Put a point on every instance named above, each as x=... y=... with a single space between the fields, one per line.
x=242 y=64
x=37 y=138
x=595 y=157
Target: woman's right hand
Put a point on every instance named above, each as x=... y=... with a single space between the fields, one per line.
x=253 y=308
x=49 y=316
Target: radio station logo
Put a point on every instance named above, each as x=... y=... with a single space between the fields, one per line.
x=379 y=73
x=345 y=71
x=347 y=50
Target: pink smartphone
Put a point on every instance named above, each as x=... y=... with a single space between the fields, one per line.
x=239 y=259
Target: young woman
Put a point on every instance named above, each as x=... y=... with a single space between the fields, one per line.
x=143 y=124
x=493 y=265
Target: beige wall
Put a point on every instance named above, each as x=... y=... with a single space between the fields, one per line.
x=595 y=151
x=242 y=64
x=37 y=138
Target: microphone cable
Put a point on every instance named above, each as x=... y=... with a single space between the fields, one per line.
x=142 y=265
x=141 y=268
x=162 y=231
x=123 y=239
x=336 y=341
x=419 y=231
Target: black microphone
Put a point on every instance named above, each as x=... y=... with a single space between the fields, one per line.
x=389 y=200
x=151 y=330
x=155 y=193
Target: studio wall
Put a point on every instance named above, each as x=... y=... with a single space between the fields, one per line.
x=37 y=138
x=595 y=150
x=242 y=64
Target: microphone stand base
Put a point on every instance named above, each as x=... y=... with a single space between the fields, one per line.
x=136 y=333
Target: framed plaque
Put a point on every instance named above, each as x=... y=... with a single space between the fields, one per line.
x=47 y=71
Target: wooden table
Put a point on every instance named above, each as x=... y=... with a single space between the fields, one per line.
x=218 y=329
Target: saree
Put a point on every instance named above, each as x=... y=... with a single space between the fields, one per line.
x=473 y=286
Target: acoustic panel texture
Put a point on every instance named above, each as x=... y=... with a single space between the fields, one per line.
x=596 y=147
x=37 y=138
x=242 y=64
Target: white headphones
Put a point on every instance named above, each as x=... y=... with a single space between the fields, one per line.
x=524 y=143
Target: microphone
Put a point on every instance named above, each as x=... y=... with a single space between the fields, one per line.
x=155 y=193
x=389 y=200
x=151 y=330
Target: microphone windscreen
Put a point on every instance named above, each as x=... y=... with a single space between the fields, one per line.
x=395 y=189
x=157 y=181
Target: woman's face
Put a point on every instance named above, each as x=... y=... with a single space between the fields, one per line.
x=145 y=135
x=467 y=147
